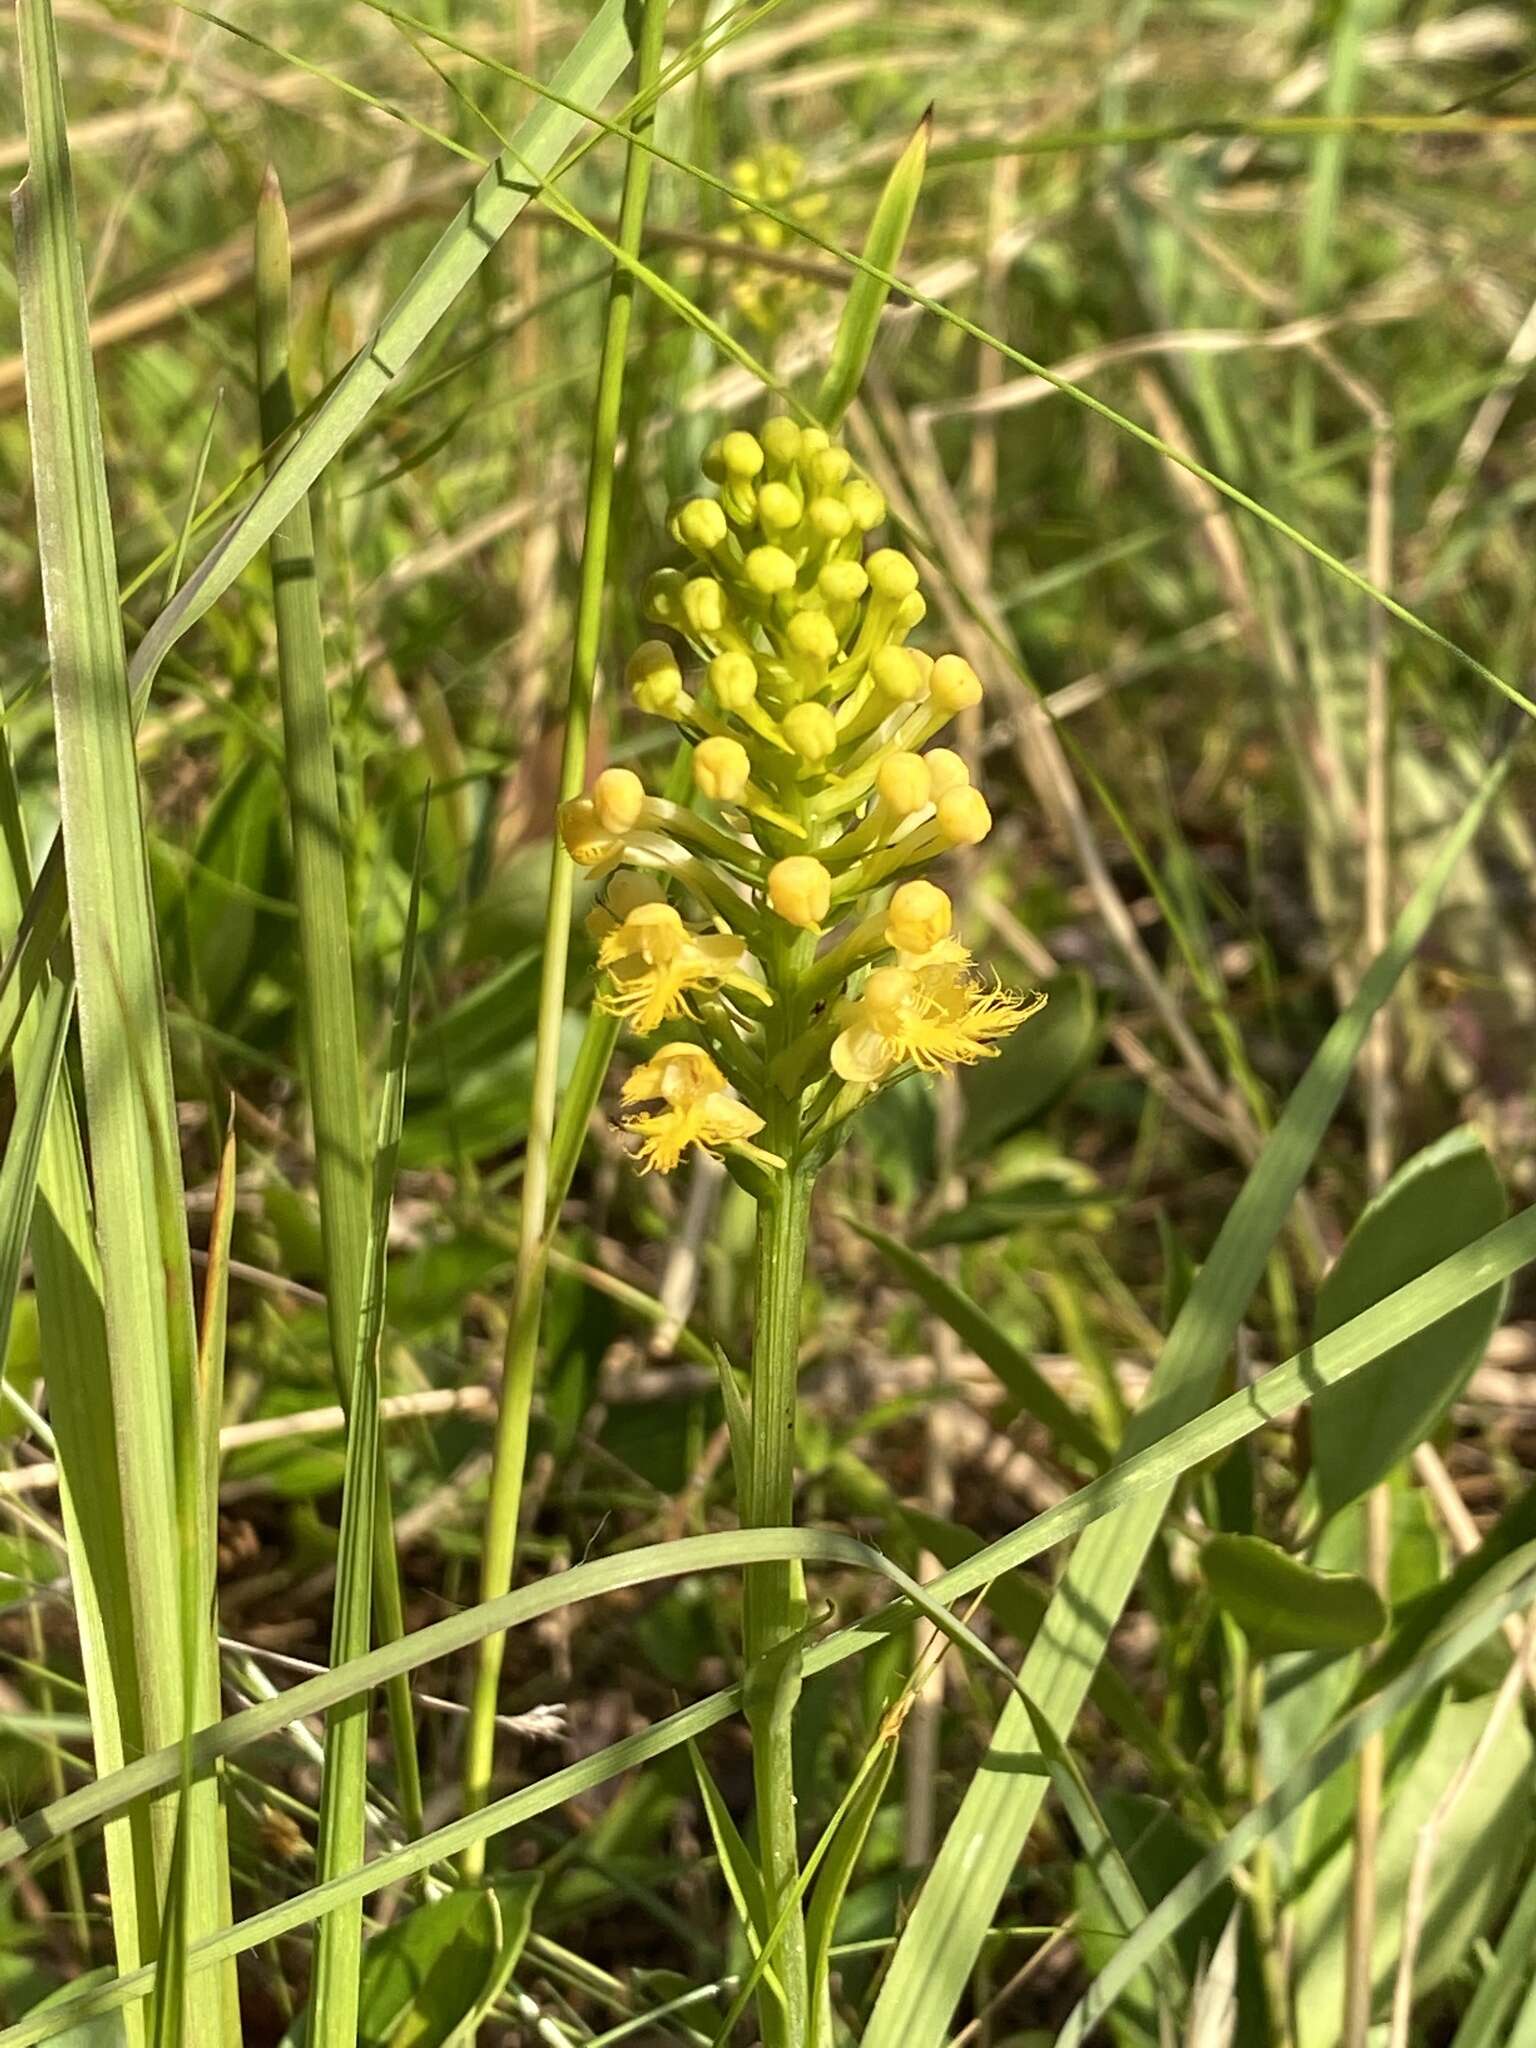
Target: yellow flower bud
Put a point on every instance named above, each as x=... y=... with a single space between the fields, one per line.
x=812 y=441
x=812 y=731
x=828 y=467
x=897 y=673
x=911 y=612
x=842 y=582
x=721 y=769
x=712 y=462
x=618 y=797
x=954 y=684
x=700 y=525
x=741 y=454
x=904 y=783
x=703 y=605
x=660 y=595
x=919 y=918
x=830 y=517
x=778 y=509
x=963 y=817
x=813 y=635
x=947 y=770
x=800 y=890
x=733 y=678
x=583 y=835
x=769 y=570
x=629 y=889
x=654 y=677
x=780 y=437
x=866 y=507
x=891 y=574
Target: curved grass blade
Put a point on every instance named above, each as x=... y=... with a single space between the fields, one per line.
x=1016 y=1371
x=344 y=1784
x=1435 y=1662
x=333 y=1057
x=499 y=1540
x=1151 y=1470
x=67 y=1283
x=145 y=1269
x=1330 y=1755
x=856 y=330
x=938 y=1948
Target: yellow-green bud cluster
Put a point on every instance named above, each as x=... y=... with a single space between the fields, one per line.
x=816 y=789
x=770 y=298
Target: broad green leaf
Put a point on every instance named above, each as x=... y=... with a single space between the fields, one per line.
x=1017 y=1372
x=1001 y=1096
x=1416 y=1684
x=937 y=1950
x=424 y=1976
x=1481 y=1848
x=1447 y=1195
x=227 y=931
x=1280 y=1603
x=856 y=331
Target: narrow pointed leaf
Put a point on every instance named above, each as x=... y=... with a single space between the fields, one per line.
x=868 y=294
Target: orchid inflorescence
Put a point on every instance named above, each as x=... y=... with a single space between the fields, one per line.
x=749 y=928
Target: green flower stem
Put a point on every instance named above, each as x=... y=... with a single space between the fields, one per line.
x=774 y=1600
x=500 y=1545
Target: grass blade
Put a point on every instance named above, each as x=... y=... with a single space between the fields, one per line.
x=1482 y=2024
x=24 y=1146
x=67 y=1282
x=1017 y=1372
x=146 y=1281
x=1459 y=1279
x=333 y=1058
x=497 y=200
x=938 y=1949
x=856 y=331
x=745 y=1546
x=344 y=1787
x=511 y=1444
x=1343 y=1743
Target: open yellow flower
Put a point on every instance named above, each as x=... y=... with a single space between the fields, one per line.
x=697 y=1110
x=652 y=960
x=932 y=1016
